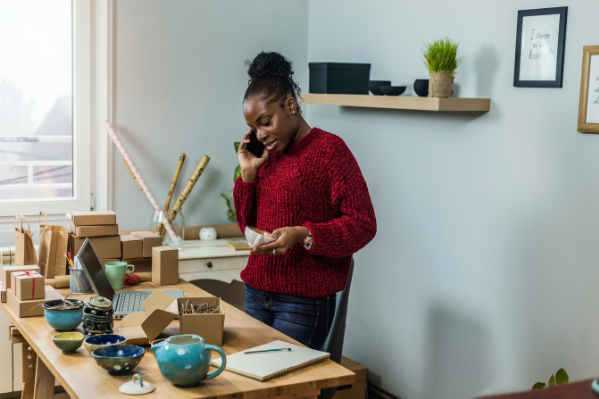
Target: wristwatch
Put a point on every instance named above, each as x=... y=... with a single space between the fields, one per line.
x=308 y=241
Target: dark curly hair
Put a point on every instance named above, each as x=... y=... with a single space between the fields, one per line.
x=271 y=77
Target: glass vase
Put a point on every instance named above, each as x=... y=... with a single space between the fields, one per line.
x=178 y=225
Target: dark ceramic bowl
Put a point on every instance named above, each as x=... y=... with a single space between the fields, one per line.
x=118 y=359
x=63 y=319
x=392 y=90
x=373 y=86
x=421 y=87
x=99 y=341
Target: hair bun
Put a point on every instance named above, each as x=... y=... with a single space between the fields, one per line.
x=270 y=63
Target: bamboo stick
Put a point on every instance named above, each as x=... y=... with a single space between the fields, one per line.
x=134 y=178
x=160 y=230
x=188 y=187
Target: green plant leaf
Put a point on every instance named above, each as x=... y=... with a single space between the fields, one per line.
x=538 y=385
x=561 y=377
x=237 y=174
x=551 y=382
x=237 y=144
x=230 y=211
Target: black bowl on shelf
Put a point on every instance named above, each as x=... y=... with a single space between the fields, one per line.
x=421 y=87
x=392 y=90
x=373 y=86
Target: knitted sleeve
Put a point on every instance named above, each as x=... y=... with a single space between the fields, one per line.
x=243 y=199
x=356 y=225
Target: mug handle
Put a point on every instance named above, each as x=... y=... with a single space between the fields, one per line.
x=132 y=269
x=223 y=357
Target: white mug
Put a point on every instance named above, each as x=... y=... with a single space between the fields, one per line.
x=208 y=233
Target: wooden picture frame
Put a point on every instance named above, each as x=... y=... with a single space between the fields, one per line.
x=539 y=58
x=588 y=122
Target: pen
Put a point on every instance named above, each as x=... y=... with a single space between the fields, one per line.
x=269 y=350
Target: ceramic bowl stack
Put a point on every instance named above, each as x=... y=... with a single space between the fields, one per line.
x=97 y=316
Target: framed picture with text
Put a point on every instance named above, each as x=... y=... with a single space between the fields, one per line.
x=588 y=107
x=540 y=42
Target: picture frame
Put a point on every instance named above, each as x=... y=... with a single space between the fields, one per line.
x=540 y=47
x=588 y=107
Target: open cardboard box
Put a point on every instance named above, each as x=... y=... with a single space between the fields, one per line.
x=161 y=309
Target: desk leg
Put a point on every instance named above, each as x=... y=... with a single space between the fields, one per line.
x=44 y=381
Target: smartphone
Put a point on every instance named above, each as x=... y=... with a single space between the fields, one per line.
x=255 y=147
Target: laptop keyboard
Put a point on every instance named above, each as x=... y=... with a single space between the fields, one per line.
x=132 y=301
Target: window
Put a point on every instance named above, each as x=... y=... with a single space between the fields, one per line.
x=44 y=106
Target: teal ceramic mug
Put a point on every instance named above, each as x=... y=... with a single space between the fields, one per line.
x=116 y=272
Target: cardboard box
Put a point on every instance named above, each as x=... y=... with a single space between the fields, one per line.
x=165 y=265
x=27 y=285
x=141 y=264
x=141 y=328
x=105 y=247
x=33 y=307
x=95 y=218
x=150 y=240
x=209 y=326
x=95 y=231
x=131 y=247
x=358 y=389
x=8 y=270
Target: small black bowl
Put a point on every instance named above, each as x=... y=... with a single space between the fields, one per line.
x=373 y=86
x=392 y=90
x=421 y=87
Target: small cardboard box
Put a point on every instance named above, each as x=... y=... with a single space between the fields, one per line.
x=95 y=231
x=209 y=326
x=33 y=307
x=27 y=285
x=131 y=247
x=105 y=247
x=141 y=328
x=358 y=389
x=150 y=240
x=165 y=265
x=8 y=270
x=95 y=218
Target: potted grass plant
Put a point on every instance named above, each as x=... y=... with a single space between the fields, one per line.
x=441 y=60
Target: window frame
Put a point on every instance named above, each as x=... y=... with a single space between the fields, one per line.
x=82 y=127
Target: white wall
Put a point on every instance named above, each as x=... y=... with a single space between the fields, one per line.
x=484 y=274
x=179 y=84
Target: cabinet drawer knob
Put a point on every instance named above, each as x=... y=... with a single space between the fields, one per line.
x=209 y=264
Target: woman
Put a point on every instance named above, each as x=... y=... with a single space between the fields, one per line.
x=307 y=189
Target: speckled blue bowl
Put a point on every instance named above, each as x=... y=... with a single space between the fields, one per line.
x=99 y=341
x=63 y=319
x=118 y=359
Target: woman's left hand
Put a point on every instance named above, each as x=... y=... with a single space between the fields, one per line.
x=285 y=238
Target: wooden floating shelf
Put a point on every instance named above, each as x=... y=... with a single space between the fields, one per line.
x=399 y=102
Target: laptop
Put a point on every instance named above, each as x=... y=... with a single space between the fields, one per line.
x=123 y=302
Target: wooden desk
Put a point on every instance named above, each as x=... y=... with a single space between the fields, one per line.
x=573 y=390
x=81 y=377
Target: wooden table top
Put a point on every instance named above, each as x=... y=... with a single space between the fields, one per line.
x=81 y=377
x=573 y=390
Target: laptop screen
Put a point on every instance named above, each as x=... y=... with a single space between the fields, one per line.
x=95 y=271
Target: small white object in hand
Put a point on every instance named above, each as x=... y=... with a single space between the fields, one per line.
x=208 y=233
x=255 y=239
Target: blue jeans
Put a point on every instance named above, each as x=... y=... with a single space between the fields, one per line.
x=307 y=320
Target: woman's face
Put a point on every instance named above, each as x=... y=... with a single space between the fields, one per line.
x=275 y=126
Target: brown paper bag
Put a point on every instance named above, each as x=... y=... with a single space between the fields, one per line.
x=53 y=243
x=24 y=250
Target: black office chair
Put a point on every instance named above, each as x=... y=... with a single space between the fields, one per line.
x=334 y=342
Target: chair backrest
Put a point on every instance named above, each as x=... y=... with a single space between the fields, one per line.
x=334 y=342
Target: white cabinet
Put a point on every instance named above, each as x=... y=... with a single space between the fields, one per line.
x=6 y=354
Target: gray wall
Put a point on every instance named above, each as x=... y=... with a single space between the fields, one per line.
x=483 y=275
x=179 y=84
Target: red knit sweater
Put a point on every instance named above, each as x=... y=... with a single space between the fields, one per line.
x=315 y=183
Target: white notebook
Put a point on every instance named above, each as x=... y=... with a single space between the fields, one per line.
x=264 y=366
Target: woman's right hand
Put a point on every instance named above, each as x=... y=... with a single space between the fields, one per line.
x=248 y=162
